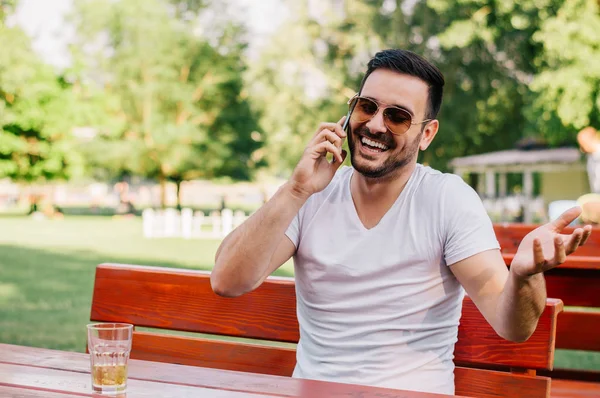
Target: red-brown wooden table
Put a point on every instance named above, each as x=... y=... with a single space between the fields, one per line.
x=37 y=372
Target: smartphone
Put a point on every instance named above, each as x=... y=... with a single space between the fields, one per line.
x=346 y=124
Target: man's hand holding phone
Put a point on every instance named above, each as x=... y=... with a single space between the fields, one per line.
x=314 y=172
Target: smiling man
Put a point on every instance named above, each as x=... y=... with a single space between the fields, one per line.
x=384 y=250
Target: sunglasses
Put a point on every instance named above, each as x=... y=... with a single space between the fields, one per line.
x=396 y=119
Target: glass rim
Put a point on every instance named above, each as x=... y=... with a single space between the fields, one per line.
x=109 y=326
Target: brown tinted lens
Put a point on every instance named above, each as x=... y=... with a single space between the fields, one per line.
x=364 y=110
x=397 y=120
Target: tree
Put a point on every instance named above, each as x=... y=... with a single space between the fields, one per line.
x=290 y=84
x=547 y=48
x=567 y=86
x=35 y=113
x=181 y=109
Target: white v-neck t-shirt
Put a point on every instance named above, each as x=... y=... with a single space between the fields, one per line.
x=380 y=306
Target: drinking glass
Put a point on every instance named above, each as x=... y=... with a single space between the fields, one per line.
x=109 y=345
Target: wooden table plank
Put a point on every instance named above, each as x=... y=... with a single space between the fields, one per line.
x=53 y=380
x=21 y=392
x=203 y=377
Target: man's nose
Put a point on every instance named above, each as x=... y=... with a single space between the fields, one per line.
x=376 y=125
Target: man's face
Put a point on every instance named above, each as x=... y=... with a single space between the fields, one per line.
x=391 y=88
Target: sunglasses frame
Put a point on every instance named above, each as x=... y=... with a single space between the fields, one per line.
x=380 y=106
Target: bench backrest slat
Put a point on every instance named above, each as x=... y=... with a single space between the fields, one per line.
x=183 y=300
x=574 y=261
x=510 y=235
x=578 y=330
x=574 y=287
x=210 y=353
x=179 y=299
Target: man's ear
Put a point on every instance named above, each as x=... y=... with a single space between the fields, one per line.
x=429 y=132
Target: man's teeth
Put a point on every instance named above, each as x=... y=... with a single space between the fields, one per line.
x=372 y=143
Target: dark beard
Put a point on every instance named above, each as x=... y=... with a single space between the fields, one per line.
x=392 y=163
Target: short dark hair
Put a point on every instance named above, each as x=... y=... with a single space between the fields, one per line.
x=409 y=63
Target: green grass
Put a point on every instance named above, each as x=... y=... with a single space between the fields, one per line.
x=47 y=274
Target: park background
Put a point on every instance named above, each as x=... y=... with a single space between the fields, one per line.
x=190 y=114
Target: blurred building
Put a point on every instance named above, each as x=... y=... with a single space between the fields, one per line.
x=560 y=174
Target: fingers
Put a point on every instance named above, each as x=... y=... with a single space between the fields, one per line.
x=329 y=138
x=538 y=254
x=338 y=164
x=587 y=231
x=566 y=218
x=332 y=133
x=559 y=251
x=334 y=127
x=328 y=135
x=560 y=255
x=326 y=146
x=574 y=240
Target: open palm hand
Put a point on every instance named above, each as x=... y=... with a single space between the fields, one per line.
x=546 y=247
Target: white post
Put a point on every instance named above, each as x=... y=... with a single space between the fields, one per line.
x=171 y=222
x=502 y=188
x=186 y=222
x=480 y=184
x=490 y=184
x=502 y=185
x=528 y=193
x=227 y=221
x=197 y=223
x=215 y=218
x=148 y=223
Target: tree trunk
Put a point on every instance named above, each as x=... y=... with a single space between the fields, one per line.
x=178 y=184
x=163 y=191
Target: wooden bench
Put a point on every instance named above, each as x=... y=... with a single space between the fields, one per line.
x=577 y=284
x=177 y=299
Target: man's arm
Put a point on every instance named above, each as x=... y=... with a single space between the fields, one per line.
x=259 y=246
x=510 y=305
x=512 y=300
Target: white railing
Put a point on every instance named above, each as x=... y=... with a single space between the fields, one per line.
x=188 y=224
x=511 y=208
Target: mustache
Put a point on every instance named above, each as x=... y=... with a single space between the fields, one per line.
x=382 y=137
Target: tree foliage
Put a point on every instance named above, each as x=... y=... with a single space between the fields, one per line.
x=507 y=74
x=180 y=109
x=35 y=113
x=168 y=89
x=567 y=85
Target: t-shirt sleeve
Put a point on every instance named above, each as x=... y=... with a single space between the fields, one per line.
x=468 y=227
x=293 y=231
